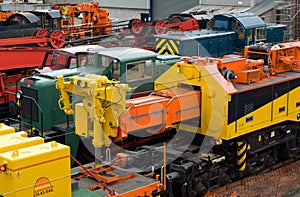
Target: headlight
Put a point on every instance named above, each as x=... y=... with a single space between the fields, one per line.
x=19 y=94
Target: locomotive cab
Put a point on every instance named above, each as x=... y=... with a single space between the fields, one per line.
x=49 y=19
x=249 y=27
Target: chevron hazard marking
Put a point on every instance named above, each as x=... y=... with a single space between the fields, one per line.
x=165 y=46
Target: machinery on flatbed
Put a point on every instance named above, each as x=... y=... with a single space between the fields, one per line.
x=56 y=28
x=95 y=21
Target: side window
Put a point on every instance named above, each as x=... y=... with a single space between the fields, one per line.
x=261 y=34
x=139 y=70
x=238 y=28
x=106 y=61
x=59 y=59
x=56 y=23
x=72 y=63
x=116 y=69
x=90 y=59
x=40 y=21
x=85 y=60
x=250 y=33
x=211 y=23
x=81 y=58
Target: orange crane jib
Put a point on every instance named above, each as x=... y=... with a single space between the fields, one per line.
x=160 y=110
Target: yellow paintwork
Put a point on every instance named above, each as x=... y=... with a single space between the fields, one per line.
x=293 y=99
x=215 y=97
x=214 y=93
x=4 y=129
x=39 y=170
x=103 y=101
x=18 y=140
x=167 y=46
x=279 y=109
x=261 y=117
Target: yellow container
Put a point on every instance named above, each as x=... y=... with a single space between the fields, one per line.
x=4 y=129
x=18 y=140
x=40 y=170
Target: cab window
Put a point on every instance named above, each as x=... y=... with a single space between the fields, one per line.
x=260 y=34
x=238 y=28
x=59 y=60
x=139 y=70
x=106 y=61
x=72 y=63
x=86 y=60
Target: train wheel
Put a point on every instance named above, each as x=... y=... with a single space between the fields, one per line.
x=160 y=27
x=56 y=39
x=41 y=33
x=135 y=26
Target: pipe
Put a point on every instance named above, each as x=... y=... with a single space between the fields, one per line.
x=165 y=166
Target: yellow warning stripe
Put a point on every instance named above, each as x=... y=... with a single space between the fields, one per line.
x=243 y=167
x=175 y=45
x=241 y=160
x=242 y=150
x=159 y=43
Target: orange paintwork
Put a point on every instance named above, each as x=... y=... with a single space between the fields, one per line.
x=95 y=20
x=282 y=58
x=142 y=191
x=110 y=175
x=158 y=112
x=5 y=15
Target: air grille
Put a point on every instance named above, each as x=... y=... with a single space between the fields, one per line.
x=29 y=109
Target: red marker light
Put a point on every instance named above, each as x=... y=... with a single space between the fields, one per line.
x=28 y=81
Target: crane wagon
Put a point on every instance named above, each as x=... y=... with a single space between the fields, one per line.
x=232 y=117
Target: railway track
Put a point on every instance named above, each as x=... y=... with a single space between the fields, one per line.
x=282 y=179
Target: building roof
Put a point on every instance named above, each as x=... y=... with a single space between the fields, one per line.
x=263 y=7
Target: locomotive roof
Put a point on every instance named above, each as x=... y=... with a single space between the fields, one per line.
x=81 y=48
x=197 y=34
x=52 y=13
x=248 y=20
x=125 y=54
x=29 y=16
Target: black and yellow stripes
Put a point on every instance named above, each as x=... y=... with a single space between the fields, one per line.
x=241 y=155
x=166 y=46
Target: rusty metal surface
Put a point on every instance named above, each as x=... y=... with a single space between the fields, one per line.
x=284 y=181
